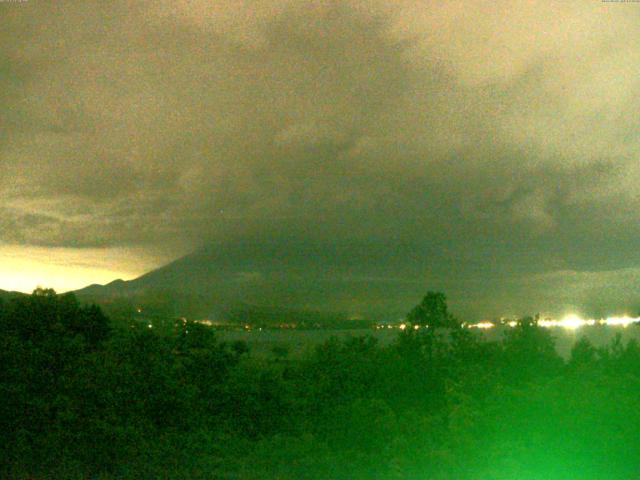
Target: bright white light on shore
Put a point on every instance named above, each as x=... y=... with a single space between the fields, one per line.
x=482 y=325
x=623 y=321
x=573 y=321
x=570 y=322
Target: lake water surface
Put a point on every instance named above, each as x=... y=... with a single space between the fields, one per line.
x=262 y=342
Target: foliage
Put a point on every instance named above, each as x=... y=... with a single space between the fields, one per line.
x=80 y=398
x=432 y=312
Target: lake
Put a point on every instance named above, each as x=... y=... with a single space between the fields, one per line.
x=261 y=342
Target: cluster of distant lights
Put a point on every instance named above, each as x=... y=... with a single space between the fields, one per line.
x=402 y=326
x=570 y=322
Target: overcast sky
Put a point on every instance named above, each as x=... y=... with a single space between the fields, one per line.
x=489 y=148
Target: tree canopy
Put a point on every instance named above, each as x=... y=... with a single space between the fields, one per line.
x=432 y=312
x=81 y=397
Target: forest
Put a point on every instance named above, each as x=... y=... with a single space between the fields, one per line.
x=84 y=397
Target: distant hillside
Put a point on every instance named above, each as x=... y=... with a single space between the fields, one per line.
x=5 y=296
x=220 y=281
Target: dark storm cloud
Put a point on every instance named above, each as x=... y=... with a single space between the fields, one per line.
x=478 y=143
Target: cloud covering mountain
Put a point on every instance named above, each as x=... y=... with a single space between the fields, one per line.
x=485 y=148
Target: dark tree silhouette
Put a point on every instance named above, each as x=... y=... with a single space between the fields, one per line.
x=433 y=312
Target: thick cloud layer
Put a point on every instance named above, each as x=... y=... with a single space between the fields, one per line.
x=494 y=145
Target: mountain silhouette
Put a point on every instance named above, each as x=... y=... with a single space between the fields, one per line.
x=6 y=295
x=283 y=274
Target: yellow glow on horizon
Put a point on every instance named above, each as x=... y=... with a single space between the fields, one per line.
x=24 y=268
